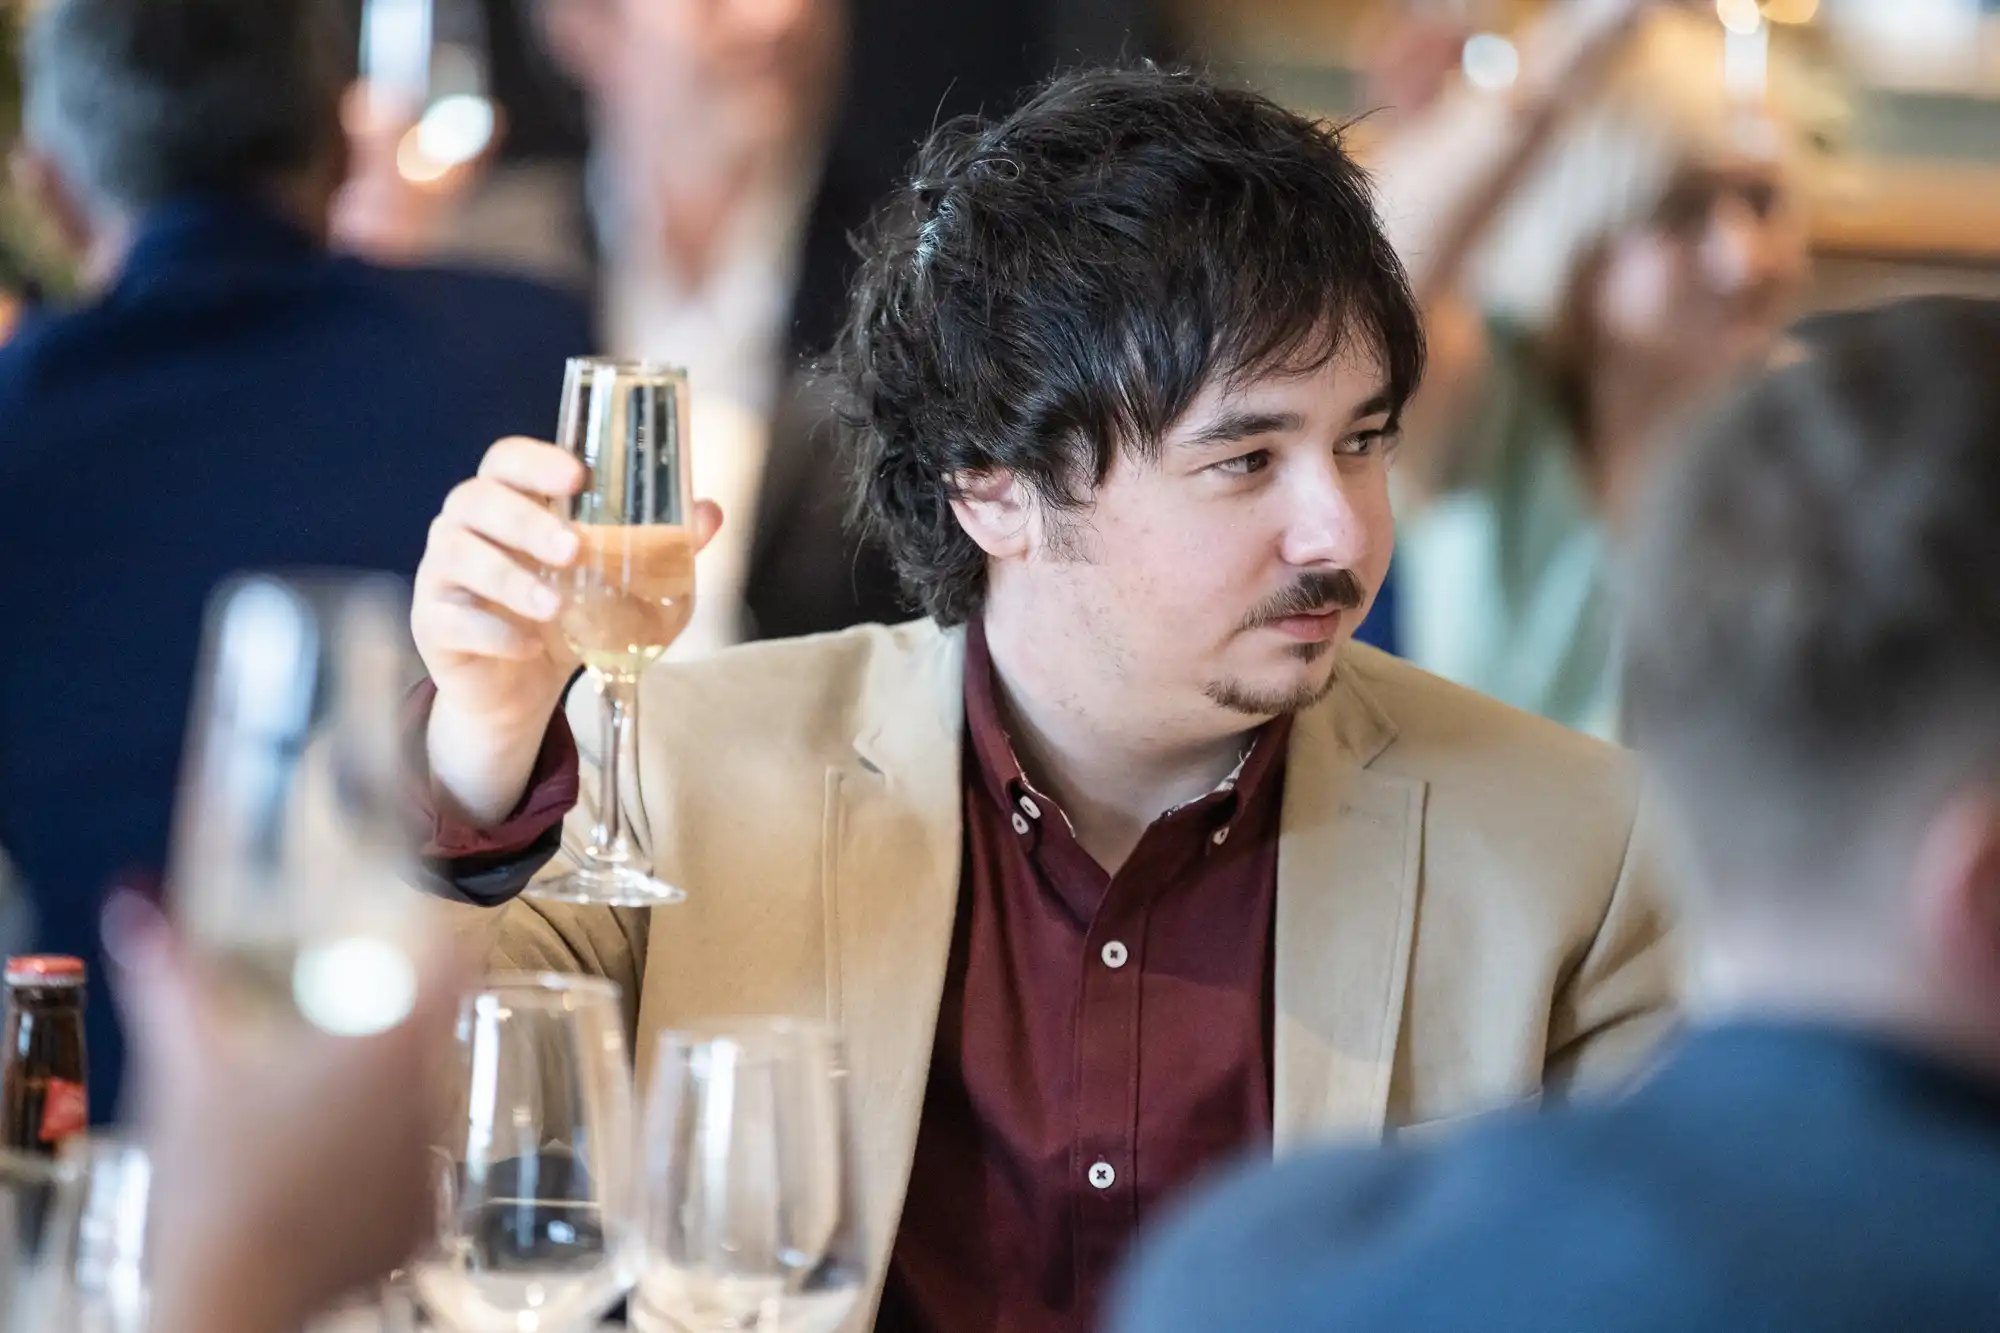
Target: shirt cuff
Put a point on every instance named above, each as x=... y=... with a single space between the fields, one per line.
x=552 y=790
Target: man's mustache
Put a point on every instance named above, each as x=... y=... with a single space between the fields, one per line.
x=1336 y=590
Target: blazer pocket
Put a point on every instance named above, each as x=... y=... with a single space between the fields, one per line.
x=1451 y=1126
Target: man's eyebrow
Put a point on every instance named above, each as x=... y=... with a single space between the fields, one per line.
x=1234 y=426
x=1231 y=427
x=1376 y=406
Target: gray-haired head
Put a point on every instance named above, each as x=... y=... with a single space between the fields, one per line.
x=1814 y=647
x=142 y=101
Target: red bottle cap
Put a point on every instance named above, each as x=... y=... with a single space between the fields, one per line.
x=45 y=969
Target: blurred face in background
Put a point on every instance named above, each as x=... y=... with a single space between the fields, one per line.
x=1705 y=286
x=702 y=109
x=755 y=71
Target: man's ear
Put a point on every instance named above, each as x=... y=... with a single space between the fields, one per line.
x=37 y=177
x=993 y=507
x=1955 y=888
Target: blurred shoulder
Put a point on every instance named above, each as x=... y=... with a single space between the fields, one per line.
x=1354 y=1235
x=487 y=301
x=1270 y=1240
x=41 y=365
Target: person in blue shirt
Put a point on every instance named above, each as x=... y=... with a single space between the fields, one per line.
x=231 y=396
x=1814 y=673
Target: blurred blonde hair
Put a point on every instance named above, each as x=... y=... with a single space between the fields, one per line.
x=1670 y=104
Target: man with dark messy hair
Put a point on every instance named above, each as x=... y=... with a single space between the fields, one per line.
x=1038 y=322
x=1123 y=859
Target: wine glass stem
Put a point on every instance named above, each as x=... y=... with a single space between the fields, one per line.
x=608 y=843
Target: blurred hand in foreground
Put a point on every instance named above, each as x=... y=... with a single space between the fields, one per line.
x=290 y=1166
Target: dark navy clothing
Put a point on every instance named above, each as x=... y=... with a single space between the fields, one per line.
x=1769 y=1179
x=238 y=399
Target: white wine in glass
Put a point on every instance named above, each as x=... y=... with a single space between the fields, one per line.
x=630 y=592
x=631 y=595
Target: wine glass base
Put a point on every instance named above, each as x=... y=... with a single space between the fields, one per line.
x=609 y=886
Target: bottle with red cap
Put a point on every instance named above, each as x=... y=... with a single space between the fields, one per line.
x=42 y=1080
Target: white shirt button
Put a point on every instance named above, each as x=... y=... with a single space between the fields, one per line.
x=1102 y=1176
x=1221 y=835
x=1028 y=804
x=1114 y=954
x=1020 y=823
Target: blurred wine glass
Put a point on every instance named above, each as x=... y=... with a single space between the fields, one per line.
x=293 y=849
x=754 y=1216
x=35 y=1192
x=538 y=1208
x=99 y=1239
x=421 y=124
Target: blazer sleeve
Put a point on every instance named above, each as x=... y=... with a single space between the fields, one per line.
x=521 y=934
x=1623 y=998
x=608 y=942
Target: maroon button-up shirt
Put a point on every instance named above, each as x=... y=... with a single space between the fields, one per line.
x=1102 y=1039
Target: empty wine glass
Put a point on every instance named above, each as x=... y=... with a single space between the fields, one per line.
x=538 y=1211
x=754 y=1212
x=630 y=592
x=99 y=1239
x=293 y=850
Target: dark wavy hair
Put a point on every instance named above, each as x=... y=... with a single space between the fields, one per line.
x=1060 y=283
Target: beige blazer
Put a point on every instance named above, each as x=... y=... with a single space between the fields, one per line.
x=1461 y=919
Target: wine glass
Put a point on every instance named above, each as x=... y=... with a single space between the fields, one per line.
x=538 y=1212
x=424 y=67
x=99 y=1240
x=630 y=592
x=754 y=1216
x=35 y=1193
x=293 y=850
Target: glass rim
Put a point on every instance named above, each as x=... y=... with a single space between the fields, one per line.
x=630 y=365
x=747 y=1030
x=103 y=1143
x=545 y=984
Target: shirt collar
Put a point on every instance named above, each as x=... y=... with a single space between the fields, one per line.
x=1000 y=772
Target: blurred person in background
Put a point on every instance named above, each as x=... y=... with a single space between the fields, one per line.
x=738 y=146
x=1814 y=660
x=518 y=203
x=711 y=120
x=230 y=396
x=1408 y=62
x=1595 y=249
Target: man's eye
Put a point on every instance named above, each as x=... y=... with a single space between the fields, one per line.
x=1244 y=464
x=1365 y=444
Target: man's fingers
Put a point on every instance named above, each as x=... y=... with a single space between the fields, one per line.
x=464 y=561
x=532 y=466
x=460 y=625
x=512 y=520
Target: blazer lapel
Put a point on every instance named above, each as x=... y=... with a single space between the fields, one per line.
x=893 y=846
x=1349 y=854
